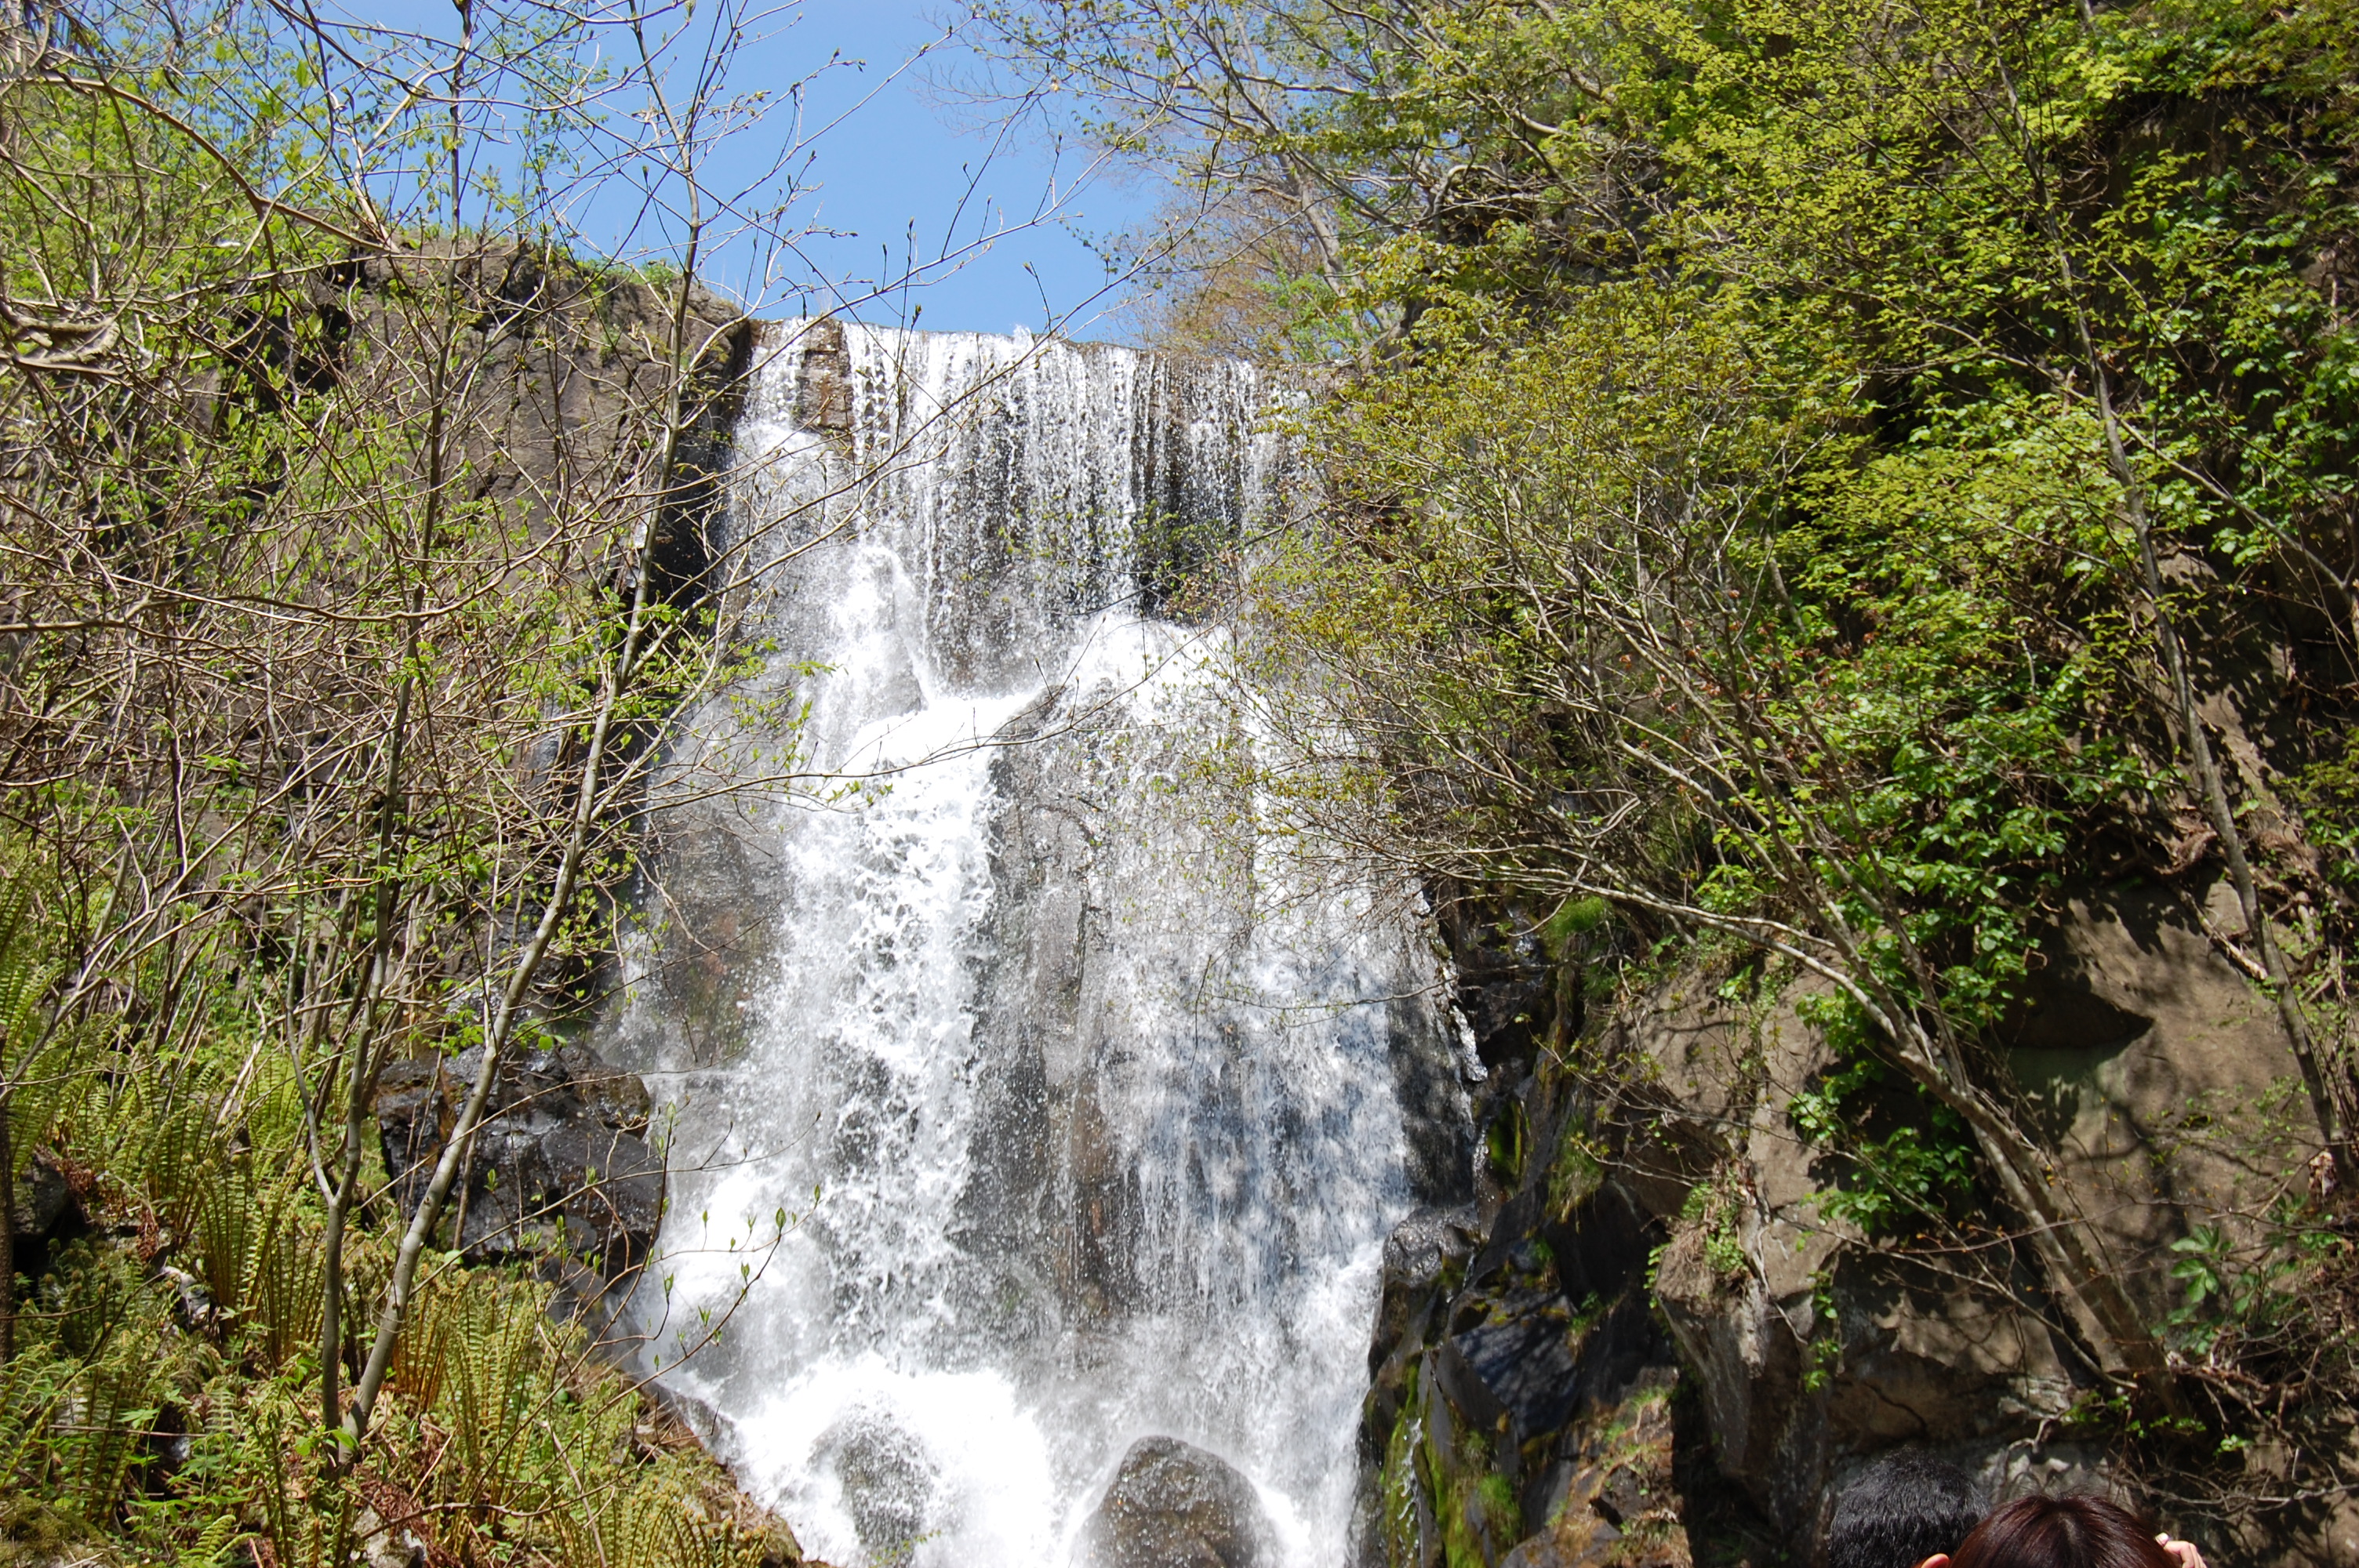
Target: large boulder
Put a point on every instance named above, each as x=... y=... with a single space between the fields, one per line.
x=891 y=1486
x=1173 y=1505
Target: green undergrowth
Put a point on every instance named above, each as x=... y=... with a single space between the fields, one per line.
x=162 y=1402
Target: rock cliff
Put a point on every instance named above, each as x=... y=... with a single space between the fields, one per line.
x=1650 y=1341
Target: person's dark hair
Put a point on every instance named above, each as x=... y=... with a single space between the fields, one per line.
x=2071 y=1531
x=1902 y=1509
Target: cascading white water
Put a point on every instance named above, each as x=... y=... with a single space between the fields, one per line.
x=1086 y=1129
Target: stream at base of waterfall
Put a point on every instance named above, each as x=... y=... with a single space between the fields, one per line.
x=1022 y=1102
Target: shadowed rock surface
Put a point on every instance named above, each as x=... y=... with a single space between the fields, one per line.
x=49 y=1212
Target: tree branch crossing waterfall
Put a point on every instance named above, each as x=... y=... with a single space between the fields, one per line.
x=1026 y=1102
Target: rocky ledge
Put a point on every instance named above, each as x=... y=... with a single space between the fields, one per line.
x=562 y=1174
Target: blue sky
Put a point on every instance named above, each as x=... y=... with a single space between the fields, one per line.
x=901 y=157
x=898 y=160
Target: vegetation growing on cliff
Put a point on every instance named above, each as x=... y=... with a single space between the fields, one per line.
x=1833 y=481
x=345 y=530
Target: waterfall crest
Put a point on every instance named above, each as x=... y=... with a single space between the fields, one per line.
x=1086 y=1122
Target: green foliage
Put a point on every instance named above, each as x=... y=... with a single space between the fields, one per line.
x=1504 y=1144
x=1574 y=1173
x=1717 y=1210
x=1824 y=1352
x=1793 y=452
x=1575 y=918
x=175 y=1419
x=40 y=1051
x=2327 y=791
x=1463 y=1492
x=1912 y=1175
x=82 y=1394
x=1909 y=1161
x=304 y=651
x=2248 y=1283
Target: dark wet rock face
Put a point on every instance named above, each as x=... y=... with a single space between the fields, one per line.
x=1613 y=1497
x=1521 y=1386
x=1172 y=1504
x=561 y=1170
x=1513 y=1420
x=1437 y=1135
x=415 y=1105
x=1426 y=1251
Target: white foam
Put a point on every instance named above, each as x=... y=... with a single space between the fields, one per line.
x=972 y=1459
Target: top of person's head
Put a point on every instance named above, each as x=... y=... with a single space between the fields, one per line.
x=2070 y=1531
x=1900 y=1510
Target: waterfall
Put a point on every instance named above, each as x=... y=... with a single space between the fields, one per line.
x=1021 y=1102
